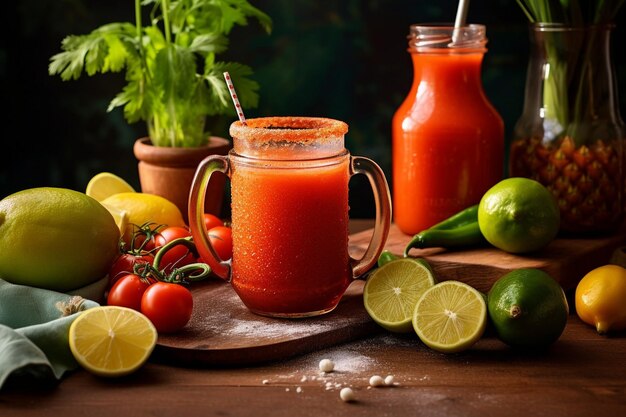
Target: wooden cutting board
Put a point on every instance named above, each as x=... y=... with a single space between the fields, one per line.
x=567 y=260
x=223 y=332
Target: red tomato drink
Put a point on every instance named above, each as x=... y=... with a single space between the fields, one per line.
x=290 y=236
x=289 y=199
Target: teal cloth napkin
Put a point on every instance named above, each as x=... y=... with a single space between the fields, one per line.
x=34 y=331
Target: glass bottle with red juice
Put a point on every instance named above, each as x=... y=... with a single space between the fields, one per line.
x=447 y=138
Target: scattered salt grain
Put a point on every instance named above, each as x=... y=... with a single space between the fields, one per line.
x=266 y=381
x=303 y=379
x=347 y=395
x=389 y=380
x=287 y=389
x=377 y=381
x=326 y=365
x=299 y=390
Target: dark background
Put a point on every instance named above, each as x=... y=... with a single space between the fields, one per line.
x=344 y=59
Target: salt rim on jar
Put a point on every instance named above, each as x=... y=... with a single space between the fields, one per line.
x=280 y=137
x=297 y=129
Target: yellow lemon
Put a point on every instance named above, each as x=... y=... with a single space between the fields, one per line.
x=106 y=184
x=142 y=208
x=55 y=238
x=601 y=298
x=112 y=341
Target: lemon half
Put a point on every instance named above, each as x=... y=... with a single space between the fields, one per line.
x=112 y=341
x=106 y=184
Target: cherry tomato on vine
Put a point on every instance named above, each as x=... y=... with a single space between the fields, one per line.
x=211 y=221
x=167 y=305
x=144 y=237
x=176 y=256
x=170 y=233
x=125 y=264
x=221 y=238
x=128 y=291
x=144 y=242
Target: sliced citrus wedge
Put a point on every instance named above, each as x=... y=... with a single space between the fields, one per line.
x=112 y=341
x=106 y=184
x=450 y=317
x=391 y=292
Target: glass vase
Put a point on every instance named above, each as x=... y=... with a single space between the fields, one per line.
x=570 y=136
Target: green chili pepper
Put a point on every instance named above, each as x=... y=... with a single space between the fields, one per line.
x=463 y=217
x=468 y=234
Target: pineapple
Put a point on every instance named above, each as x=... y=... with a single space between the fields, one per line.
x=587 y=180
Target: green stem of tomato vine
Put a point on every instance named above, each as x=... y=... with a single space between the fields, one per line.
x=185 y=241
x=185 y=273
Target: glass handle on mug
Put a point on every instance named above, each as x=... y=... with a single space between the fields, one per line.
x=207 y=167
x=382 y=200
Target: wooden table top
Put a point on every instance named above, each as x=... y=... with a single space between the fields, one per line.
x=582 y=374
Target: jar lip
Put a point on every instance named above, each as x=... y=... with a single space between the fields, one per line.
x=292 y=128
x=446 y=26
x=444 y=37
x=562 y=27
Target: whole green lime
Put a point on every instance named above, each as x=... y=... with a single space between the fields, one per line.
x=518 y=215
x=55 y=238
x=527 y=308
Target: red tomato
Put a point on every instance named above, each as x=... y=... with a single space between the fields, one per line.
x=167 y=305
x=176 y=256
x=125 y=264
x=211 y=221
x=170 y=233
x=221 y=238
x=128 y=290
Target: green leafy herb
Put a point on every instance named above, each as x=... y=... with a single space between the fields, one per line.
x=173 y=78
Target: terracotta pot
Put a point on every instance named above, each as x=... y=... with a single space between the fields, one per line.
x=168 y=172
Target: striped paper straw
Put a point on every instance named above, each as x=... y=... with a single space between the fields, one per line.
x=233 y=95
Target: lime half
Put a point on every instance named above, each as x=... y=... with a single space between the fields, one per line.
x=391 y=292
x=450 y=317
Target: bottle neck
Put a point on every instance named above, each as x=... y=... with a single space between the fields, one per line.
x=453 y=71
x=447 y=57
